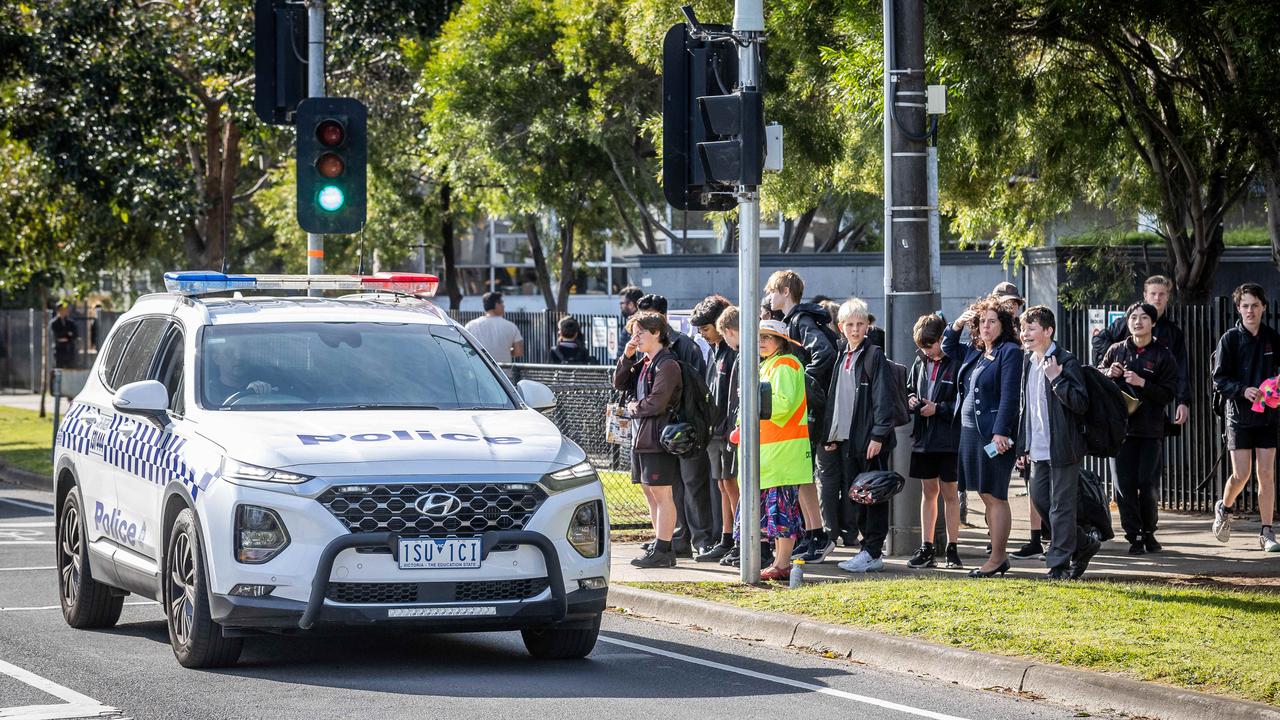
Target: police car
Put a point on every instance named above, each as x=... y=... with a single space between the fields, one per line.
x=262 y=463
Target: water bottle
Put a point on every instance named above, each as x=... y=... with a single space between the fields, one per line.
x=797 y=574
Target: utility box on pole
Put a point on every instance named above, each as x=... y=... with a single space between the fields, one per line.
x=279 y=59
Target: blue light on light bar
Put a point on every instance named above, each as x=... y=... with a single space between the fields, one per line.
x=197 y=282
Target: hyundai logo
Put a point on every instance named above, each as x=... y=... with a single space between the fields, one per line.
x=438 y=505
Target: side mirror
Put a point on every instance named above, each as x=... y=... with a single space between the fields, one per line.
x=536 y=395
x=766 y=401
x=145 y=398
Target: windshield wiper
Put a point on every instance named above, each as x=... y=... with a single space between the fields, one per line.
x=373 y=406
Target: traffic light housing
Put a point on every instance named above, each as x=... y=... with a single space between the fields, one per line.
x=691 y=69
x=280 y=60
x=736 y=121
x=332 y=153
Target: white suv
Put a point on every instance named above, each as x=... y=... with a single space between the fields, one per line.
x=276 y=463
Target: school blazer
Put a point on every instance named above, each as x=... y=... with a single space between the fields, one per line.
x=998 y=392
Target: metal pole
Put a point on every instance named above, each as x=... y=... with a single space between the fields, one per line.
x=315 y=88
x=748 y=25
x=909 y=266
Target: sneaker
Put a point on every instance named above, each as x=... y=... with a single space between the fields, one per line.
x=1267 y=541
x=802 y=546
x=923 y=558
x=988 y=550
x=1221 y=522
x=1137 y=547
x=713 y=554
x=732 y=557
x=862 y=563
x=818 y=550
x=1080 y=562
x=656 y=560
x=683 y=551
x=953 y=557
x=1031 y=551
x=647 y=547
x=1152 y=545
x=1061 y=572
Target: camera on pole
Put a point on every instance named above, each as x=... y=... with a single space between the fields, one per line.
x=332 y=151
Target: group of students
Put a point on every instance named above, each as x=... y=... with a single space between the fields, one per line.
x=988 y=393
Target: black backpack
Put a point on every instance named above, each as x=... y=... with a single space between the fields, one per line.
x=1106 y=420
x=694 y=407
x=1093 y=507
x=1217 y=399
x=898 y=376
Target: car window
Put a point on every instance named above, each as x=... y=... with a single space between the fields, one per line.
x=331 y=365
x=140 y=353
x=115 y=349
x=169 y=370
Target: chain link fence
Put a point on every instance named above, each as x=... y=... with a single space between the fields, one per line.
x=582 y=394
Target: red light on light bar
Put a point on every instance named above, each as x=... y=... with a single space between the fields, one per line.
x=409 y=283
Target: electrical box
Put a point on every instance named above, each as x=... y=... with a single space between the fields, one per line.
x=773 y=147
x=935 y=102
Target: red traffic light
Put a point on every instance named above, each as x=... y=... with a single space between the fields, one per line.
x=330 y=133
x=330 y=165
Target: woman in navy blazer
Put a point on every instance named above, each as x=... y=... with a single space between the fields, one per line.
x=990 y=389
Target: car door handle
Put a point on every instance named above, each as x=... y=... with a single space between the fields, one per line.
x=127 y=428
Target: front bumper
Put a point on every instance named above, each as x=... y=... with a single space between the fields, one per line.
x=282 y=613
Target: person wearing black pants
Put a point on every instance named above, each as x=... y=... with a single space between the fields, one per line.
x=1051 y=443
x=1148 y=371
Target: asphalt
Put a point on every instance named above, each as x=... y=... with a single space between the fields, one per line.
x=640 y=668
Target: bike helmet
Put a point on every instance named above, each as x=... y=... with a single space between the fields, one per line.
x=677 y=438
x=877 y=486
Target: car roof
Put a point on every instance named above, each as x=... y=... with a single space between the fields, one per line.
x=363 y=307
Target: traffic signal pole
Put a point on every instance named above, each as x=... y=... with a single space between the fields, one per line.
x=909 y=283
x=315 y=88
x=748 y=27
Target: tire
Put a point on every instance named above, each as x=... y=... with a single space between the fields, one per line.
x=86 y=603
x=557 y=642
x=196 y=639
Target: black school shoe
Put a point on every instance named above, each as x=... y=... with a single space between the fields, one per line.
x=953 y=557
x=714 y=554
x=731 y=558
x=1080 y=562
x=1137 y=546
x=924 y=558
x=656 y=560
x=1151 y=544
x=1031 y=550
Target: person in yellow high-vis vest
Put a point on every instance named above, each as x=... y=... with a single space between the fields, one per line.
x=786 y=457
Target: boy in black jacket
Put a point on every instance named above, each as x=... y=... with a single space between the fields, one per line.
x=1146 y=370
x=1054 y=398
x=724 y=474
x=935 y=436
x=1248 y=354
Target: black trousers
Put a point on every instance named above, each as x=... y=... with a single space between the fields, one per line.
x=1138 y=470
x=838 y=515
x=1055 y=493
x=692 y=495
x=869 y=521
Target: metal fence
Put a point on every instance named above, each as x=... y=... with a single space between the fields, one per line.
x=539 y=332
x=582 y=392
x=1197 y=464
x=23 y=334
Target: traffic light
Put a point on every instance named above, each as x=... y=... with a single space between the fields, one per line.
x=280 y=60
x=736 y=157
x=691 y=69
x=332 y=150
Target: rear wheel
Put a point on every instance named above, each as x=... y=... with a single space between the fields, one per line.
x=558 y=642
x=86 y=603
x=197 y=640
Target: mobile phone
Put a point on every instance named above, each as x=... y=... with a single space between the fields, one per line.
x=991 y=449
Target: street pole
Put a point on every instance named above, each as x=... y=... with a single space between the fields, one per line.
x=315 y=88
x=909 y=284
x=748 y=26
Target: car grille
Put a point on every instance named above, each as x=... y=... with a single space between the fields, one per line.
x=440 y=592
x=390 y=507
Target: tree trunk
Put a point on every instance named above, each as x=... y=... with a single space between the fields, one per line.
x=205 y=236
x=567 y=274
x=1272 y=184
x=800 y=229
x=539 y=261
x=449 y=249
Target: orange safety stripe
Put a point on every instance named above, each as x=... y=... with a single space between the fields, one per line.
x=772 y=432
x=315 y=253
x=790 y=362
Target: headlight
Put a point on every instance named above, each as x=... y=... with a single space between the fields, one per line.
x=260 y=534
x=585 y=529
x=236 y=470
x=570 y=477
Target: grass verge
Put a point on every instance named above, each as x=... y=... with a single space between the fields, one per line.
x=1206 y=639
x=626 y=502
x=26 y=440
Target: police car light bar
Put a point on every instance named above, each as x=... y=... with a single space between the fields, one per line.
x=198 y=282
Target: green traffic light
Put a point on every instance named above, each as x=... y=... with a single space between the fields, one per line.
x=331 y=198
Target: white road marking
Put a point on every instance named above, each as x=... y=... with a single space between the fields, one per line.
x=59 y=607
x=784 y=681
x=20 y=569
x=27 y=542
x=26 y=524
x=77 y=705
x=28 y=505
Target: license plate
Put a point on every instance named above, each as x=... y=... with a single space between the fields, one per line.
x=444 y=554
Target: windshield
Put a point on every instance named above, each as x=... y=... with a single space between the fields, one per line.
x=332 y=365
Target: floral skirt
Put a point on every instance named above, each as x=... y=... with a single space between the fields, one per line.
x=779 y=513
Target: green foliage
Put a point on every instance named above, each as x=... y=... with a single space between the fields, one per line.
x=1099 y=273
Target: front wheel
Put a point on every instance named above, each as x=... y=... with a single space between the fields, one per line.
x=86 y=603
x=562 y=642
x=196 y=639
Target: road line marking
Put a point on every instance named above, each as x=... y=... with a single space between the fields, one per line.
x=27 y=542
x=4 y=524
x=58 y=712
x=59 y=607
x=45 y=685
x=27 y=505
x=784 y=681
x=20 y=569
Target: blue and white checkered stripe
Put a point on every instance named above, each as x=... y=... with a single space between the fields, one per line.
x=73 y=433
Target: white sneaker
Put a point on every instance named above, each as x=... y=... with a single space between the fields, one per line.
x=1267 y=541
x=861 y=563
x=1221 y=522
